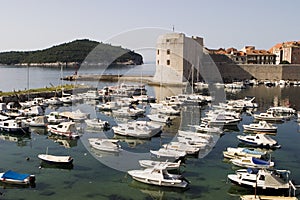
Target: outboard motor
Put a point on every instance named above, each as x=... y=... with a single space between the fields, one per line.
x=32 y=181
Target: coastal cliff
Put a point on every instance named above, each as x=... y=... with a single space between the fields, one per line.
x=72 y=53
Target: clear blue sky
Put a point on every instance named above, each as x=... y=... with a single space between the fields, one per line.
x=36 y=24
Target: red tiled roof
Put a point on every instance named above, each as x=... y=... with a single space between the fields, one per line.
x=280 y=45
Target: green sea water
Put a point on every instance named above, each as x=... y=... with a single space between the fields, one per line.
x=91 y=179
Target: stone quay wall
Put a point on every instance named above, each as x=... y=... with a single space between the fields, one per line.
x=230 y=72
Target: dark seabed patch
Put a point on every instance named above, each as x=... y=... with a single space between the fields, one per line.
x=47 y=193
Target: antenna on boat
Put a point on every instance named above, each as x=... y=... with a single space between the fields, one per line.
x=28 y=80
x=47 y=151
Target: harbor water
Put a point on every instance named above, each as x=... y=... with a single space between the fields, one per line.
x=92 y=178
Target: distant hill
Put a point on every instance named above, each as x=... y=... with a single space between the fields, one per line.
x=73 y=52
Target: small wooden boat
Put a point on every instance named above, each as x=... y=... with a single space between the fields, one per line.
x=55 y=159
x=12 y=177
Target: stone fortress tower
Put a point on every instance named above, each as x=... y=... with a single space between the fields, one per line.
x=176 y=56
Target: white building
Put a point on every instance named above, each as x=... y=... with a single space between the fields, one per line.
x=175 y=56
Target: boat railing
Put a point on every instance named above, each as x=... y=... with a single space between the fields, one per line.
x=293 y=188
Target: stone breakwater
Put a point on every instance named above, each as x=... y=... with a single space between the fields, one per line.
x=46 y=94
x=96 y=77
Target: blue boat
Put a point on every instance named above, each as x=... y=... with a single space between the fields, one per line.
x=12 y=177
x=250 y=162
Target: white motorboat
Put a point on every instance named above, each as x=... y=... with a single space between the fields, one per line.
x=194 y=140
x=32 y=111
x=201 y=85
x=259 y=140
x=12 y=177
x=194 y=135
x=226 y=113
x=14 y=126
x=108 y=106
x=198 y=143
x=156 y=105
x=159 y=176
x=144 y=98
x=261 y=126
x=263 y=197
x=55 y=118
x=244 y=103
x=263 y=178
x=67 y=99
x=52 y=159
x=91 y=94
x=178 y=146
x=206 y=128
x=221 y=119
x=250 y=162
x=97 y=123
x=282 y=110
x=269 y=116
x=138 y=129
x=38 y=121
x=54 y=101
x=168 y=110
x=160 y=118
x=152 y=163
x=129 y=112
x=76 y=115
x=39 y=101
x=168 y=153
x=242 y=152
x=67 y=129
x=110 y=145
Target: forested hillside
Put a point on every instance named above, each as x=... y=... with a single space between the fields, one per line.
x=75 y=51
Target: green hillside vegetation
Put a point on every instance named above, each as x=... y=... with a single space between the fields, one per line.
x=75 y=51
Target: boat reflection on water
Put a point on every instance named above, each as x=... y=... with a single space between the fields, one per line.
x=131 y=141
x=156 y=192
x=44 y=164
x=66 y=142
x=236 y=190
x=101 y=154
x=14 y=186
x=39 y=130
x=21 y=140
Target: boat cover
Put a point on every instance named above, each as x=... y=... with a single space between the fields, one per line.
x=260 y=162
x=252 y=152
x=252 y=171
x=14 y=175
